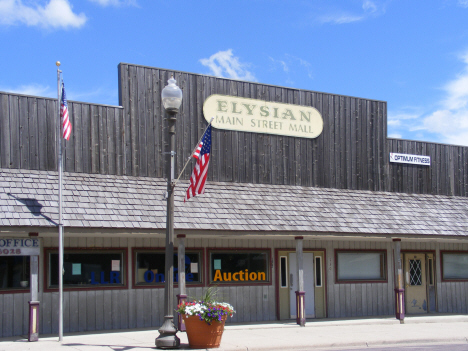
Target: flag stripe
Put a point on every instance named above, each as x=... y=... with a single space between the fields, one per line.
x=196 y=154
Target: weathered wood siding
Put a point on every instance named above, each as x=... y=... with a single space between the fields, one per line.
x=352 y=152
x=359 y=299
x=452 y=297
x=447 y=174
x=127 y=308
x=138 y=308
x=348 y=154
x=28 y=135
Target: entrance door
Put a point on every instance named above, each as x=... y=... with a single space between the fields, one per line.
x=309 y=286
x=415 y=283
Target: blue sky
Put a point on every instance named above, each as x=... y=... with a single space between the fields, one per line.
x=411 y=53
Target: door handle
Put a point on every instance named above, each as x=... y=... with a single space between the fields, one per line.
x=291 y=280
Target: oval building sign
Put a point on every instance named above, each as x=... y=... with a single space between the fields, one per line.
x=258 y=116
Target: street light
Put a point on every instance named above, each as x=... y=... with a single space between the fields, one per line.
x=172 y=98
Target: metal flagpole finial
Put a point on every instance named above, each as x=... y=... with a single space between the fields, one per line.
x=57 y=63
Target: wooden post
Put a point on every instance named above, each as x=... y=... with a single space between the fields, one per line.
x=33 y=334
x=182 y=297
x=399 y=287
x=300 y=293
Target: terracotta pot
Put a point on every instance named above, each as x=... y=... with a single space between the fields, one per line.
x=202 y=335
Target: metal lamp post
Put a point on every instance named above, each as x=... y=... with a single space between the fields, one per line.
x=172 y=98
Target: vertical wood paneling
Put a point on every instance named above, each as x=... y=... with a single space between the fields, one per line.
x=18 y=308
x=93 y=302
x=7 y=313
x=351 y=152
x=66 y=311
x=4 y=131
x=33 y=134
x=46 y=309
x=77 y=136
x=86 y=139
x=15 y=126
x=74 y=308
x=82 y=311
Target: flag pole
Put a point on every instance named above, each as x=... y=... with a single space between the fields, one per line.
x=60 y=206
x=190 y=156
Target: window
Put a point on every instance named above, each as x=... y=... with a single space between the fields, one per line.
x=318 y=271
x=284 y=271
x=247 y=267
x=88 y=268
x=454 y=266
x=150 y=267
x=361 y=265
x=14 y=272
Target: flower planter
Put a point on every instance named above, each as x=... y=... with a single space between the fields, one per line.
x=202 y=335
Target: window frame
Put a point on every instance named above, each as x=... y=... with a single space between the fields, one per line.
x=162 y=250
x=81 y=250
x=442 y=253
x=384 y=269
x=269 y=263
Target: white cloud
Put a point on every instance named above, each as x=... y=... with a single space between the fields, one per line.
x=32 y=89
x=289 y=67
x=463 y=3
x=451 y=120
x=100 y=95
x=396 y=136
x=341 y=19
x=457 y=90
x=225 y=64
x=106 y=3
x=406 y=114
x=368 y=8
x=282 y=63
x=405 y=121
x=55 y=14
x=303 y=63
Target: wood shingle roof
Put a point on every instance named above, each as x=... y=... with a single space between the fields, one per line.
x=30 y=198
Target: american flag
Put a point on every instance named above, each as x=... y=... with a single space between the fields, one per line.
x=64 y=115
x=198 y=178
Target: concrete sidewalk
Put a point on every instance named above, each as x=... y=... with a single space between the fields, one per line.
x=317 y=334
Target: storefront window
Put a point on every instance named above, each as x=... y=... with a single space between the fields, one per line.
x=239 y=267
x=14 y=272
x=150 y=267
x=454 y=266
x=96 y=268
x=361 y=265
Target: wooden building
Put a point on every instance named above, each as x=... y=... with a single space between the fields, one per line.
x=336 y=195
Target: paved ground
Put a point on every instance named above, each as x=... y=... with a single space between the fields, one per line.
x=317 y=334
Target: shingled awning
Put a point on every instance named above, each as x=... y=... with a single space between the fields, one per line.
x=30 y=198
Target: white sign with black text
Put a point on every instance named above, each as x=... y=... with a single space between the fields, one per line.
x=19 y=247
x=411 y=159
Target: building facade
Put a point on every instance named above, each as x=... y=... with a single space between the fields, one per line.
x=333 y=194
